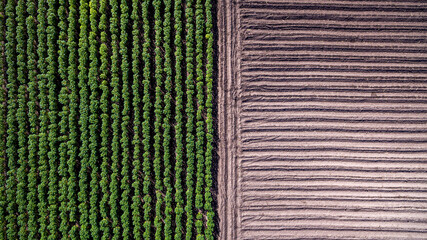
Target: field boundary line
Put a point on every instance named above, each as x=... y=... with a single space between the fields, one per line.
x=229 y=101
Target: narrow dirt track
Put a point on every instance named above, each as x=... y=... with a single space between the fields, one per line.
x=322 y=119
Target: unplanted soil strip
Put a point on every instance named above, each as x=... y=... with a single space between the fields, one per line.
x=322 y=119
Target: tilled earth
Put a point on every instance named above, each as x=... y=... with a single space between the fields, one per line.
x=323 y=119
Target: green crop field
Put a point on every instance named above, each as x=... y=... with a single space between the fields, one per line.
x=106 y=119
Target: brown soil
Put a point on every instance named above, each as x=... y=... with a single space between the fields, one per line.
x=322 y=119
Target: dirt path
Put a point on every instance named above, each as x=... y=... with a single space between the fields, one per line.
x=322 y=119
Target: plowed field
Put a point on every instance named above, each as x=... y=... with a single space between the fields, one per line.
x=323 y=119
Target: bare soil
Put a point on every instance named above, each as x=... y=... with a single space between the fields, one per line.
x=322 y=119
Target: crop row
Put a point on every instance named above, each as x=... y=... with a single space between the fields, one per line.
x=106 y=119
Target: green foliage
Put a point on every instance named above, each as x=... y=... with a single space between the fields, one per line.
x=93 y=119
x=21 y=115
x=73 y=103
x=136 y=101
x=210 y=224
x=63 y=99
x=146 y=165
x=53 y=119
x=124 y=141
x=105 y=142
x=167 y=120
x=43 y=118
x=12 y=124
x=158 y=119
x=200 y=133
x=179 y=138
x=84 y=153
x=3 y=125
x=33 y=110
x=115 y=115
x=189 y=110
x=101 y=117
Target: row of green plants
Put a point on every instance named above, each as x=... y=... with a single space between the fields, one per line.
x=106 y=119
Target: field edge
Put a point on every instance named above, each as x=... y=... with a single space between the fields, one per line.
x=228 y=119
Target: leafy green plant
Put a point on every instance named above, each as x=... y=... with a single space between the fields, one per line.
x=73 y=139
x=115 y=115
x=167 y=119
x=105 y=120
x=210 y=224
x=44 y=118
x=63 y=123
x=21 y=115
x=12 y=122
x=146 y=165
x=84 y=151
x=106 y=113
x=33 y=121
x=158 y=120
x=124 y=141
x=136 y=101
x=179 y=138
x=94 y=118
x=3 y=125
x=200 y=133
x=52 y=76
x=189 y=110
